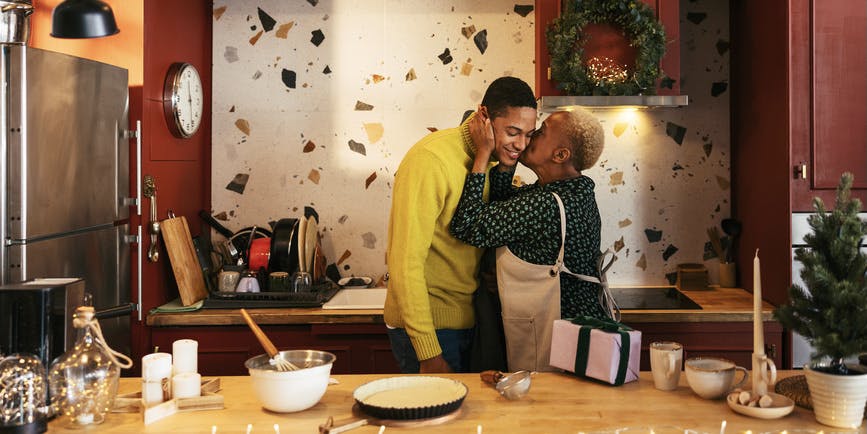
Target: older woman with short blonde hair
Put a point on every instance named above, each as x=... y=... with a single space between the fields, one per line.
x=525 y=224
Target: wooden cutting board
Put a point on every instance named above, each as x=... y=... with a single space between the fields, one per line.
x=182 y=255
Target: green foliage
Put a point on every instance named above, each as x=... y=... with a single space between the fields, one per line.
x=640 y=25
x=830 y=311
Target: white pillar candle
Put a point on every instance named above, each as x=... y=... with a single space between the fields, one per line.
x=156 y=372
x=758 y=333
x=186 y=385
x=186 y=356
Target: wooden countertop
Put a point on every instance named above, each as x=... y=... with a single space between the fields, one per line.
x=556 y=403
x=718 y=305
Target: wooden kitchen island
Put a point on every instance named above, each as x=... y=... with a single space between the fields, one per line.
x=722 y=327
x=557 y=403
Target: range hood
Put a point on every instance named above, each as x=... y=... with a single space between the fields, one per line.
x=554 y=103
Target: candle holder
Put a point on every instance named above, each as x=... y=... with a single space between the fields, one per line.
x=764 y=374
x=209 y=400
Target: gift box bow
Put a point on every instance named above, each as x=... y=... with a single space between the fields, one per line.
x=589 y=324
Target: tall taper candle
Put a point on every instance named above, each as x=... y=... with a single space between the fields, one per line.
x=758 y=333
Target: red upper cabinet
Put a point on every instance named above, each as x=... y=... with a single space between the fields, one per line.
x=828 y=91
x=799 y=106
x=667 y=12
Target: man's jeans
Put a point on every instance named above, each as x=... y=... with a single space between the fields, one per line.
x=454 y=343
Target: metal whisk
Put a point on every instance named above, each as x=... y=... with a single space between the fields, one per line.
x=276 y=358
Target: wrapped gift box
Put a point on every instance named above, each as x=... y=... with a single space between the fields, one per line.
x=599 y=350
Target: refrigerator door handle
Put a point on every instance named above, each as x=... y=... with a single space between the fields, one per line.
x=137 y=240
x=136 y=201
x=115 y=311
x=138 y=273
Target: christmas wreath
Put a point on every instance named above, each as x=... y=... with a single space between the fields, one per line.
x=599 y=76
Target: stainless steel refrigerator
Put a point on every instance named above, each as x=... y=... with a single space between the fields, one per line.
x=65 y=177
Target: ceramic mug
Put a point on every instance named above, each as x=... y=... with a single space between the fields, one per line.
x=666 y=359
x=712 y=377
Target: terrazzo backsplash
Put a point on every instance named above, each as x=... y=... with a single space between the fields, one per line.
x=315 y=103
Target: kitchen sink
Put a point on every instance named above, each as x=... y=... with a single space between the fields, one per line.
x=368 y=298
x=652 y=297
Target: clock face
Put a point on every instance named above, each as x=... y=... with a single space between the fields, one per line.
x=183 y=98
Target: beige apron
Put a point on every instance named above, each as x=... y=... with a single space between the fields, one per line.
x=530 y=298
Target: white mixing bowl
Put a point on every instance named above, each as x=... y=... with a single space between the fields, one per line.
x=290 y=391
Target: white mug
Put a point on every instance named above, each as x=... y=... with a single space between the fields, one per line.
x=666 y=359
x=712 y=377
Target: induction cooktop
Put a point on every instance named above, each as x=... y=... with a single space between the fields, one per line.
x=652 y=297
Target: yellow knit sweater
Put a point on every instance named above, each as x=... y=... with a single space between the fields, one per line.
x=432 y=275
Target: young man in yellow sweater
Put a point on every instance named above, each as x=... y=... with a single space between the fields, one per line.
x=432 y=275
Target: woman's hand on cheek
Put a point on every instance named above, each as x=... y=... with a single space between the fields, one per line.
x=482 y=132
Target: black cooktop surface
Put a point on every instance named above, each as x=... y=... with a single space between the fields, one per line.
x=663 y=297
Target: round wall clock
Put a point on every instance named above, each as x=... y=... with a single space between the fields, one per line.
x=183 y=98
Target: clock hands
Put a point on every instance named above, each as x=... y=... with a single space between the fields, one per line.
x=190 y=97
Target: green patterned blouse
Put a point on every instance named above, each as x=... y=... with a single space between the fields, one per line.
x=527 y=220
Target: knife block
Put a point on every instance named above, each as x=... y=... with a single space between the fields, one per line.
x=185 y=264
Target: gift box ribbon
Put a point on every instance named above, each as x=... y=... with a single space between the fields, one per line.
x=589 y=324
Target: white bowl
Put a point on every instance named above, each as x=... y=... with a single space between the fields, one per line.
x=291 y=391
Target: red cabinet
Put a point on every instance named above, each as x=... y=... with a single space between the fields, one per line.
x=798 y=106
x=828 y=97
x=360 y=348
x=798 y=100
x=667 y=12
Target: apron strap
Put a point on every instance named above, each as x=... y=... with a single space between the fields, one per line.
x=560 y=264
x=605 y=298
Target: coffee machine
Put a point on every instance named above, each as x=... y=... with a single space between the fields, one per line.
x=36 y=317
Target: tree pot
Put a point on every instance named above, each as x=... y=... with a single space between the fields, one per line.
x=838 y=400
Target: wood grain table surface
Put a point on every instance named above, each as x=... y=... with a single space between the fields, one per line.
x=557 y=403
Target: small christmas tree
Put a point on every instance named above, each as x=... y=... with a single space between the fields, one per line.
x=830 y=312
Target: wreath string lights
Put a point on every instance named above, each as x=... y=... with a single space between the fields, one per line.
x=601 y=75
